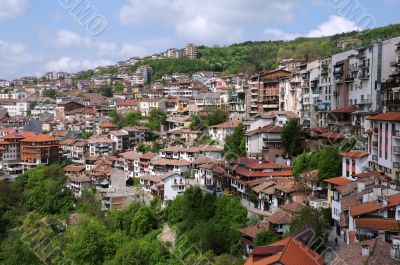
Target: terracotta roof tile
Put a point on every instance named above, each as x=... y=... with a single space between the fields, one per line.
x=388 y=116
x=355 y=154
x=254 y=230
x=377 y=223
x=338 y=181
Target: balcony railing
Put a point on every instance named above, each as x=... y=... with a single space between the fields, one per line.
x=390 y=84
x=365 y=101
x=391 y=102
x=396 y=165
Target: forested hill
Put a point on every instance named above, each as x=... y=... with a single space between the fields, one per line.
x=253 y=56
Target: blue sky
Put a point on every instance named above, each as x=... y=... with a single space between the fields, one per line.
x=48 y=35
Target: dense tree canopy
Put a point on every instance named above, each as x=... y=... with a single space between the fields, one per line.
x=235 y=144
x=291 y=138
x=316 y=221
x=327 y=161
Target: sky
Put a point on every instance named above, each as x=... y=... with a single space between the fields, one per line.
x=37 y=36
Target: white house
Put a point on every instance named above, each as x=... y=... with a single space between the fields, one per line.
x=219 y=132
x=174 y=185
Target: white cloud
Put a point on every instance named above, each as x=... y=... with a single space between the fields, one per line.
x=335 y=25
x=12 y=8
x=66 y=38
x=277 y=34
x=14 y=57
x=207 y=21
x=67 y=64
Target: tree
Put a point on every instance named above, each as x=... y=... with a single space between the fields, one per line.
x=301 y=164
x=132 y=119
x=329 y=162
x=197 y=123
x=105 y=91
x=51 y=93
x=235 y=144
x=143 y=148
x=119 y=87
x=326 y=160
x=265 y=238
x=86 y=134
x=315 y=220
x=89 y=242
x=156 y=118
x=217 y=117
x=44 y=191
x=143 y=222
x=291 y=138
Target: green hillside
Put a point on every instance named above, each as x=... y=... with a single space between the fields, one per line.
x=253 y=56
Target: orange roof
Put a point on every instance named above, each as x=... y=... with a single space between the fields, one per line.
x=338 y=181
x=256 y=174
x=355 y=154
x=388 y=116
x=254 y=230
x=108 y=124
x=40 y=138
x=227 y=124
x=377 y=223
x=348 y=109
x=364 y=208
x=294 y=253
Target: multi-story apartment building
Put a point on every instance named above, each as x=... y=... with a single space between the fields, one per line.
x=208 y=102
x=390 y=87
x=146 y=71
x=384 y=143
x=39 y=149
x=191 y=51
x=101 y=146
x=264 y=91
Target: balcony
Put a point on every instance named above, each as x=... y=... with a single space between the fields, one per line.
x=395 y=64
x=388 y=85
x=396 y=150
x=396 y=165
x=363 y=75
x=365 y=102
x=391 y=102
x=396 y=134
x=353 y=69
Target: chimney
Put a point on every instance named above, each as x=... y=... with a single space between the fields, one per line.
x=365 y=250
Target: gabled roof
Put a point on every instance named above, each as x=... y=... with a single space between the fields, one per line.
x=227 y=124
x=388 y=116
x=288 y=251
x=254 y=230
x=338 y=181
x=267 y=129
x=377 y=224
x=355 y=154
x=280 y=217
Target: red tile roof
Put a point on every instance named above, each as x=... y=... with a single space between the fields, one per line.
x=40 y=138
x=338 y=181
x=292 y=252
x=388 y=116
x=364 y=208
x=256 y=174
x=227 y=124
x=377 y=223
x=108 y=124
x=348 y=109
x=355 y=154
x=254 y=230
